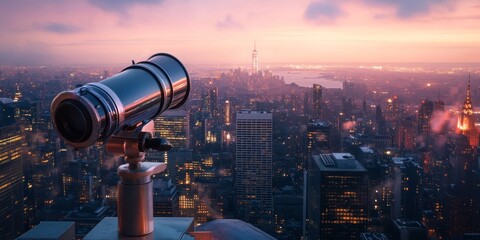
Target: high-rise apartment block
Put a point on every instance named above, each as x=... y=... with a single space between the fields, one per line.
x=254 y=167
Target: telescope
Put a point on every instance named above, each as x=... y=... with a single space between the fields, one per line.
x=136 y=95
x=115 y=111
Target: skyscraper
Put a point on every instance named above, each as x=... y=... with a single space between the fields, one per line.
x=254 y=59
x=408 y=187
x=319 y=134
x=317 y=101
x=337 y=193
x=11 y=175
x=254 y=167
x=466 y=120
x=424 y=116
x=211 y=101
x=173 y=125
x=227 y=117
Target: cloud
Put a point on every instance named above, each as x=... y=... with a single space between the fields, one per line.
x=331 y=10
x=121 y=6
x=228 y=23
x=60 y=28
x=323 y=11
x=409 y=8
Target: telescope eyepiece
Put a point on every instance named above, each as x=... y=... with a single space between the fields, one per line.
x=73 y=121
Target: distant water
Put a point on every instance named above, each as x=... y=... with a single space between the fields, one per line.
x=307 y=78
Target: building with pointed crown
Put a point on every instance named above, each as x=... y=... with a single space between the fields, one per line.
x=466 y=120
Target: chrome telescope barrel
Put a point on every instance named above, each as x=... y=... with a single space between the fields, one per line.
x=140 y=92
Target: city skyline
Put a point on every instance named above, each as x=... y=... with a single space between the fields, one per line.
x=113 y=32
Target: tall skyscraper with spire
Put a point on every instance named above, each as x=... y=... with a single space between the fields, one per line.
x=254 y=59
x=466 y=119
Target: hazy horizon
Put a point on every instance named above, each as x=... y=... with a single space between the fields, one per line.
x=110 y=32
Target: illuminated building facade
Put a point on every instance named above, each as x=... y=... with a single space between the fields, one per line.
x=11 y=175
x=466 y=120
x=173 y=125
x=254 y=167
x=337 y=197
x=317 y=101
x=227 y=116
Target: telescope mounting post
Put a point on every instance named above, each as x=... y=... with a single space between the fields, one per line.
x=135 y=188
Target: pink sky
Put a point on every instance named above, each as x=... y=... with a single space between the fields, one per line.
x=223 y=31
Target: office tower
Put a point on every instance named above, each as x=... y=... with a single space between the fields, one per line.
x=407 y=188
x=254 y=167
x=174 y=126
x=405 y=133
x=288 y=215
x=424 y=116
x=306 y=104
x=461 y=157
x=254 y=59
x=466 y=120
x=227 y=117
x=319 y=137
x=18 y=94
x=210 y=101
x=165 y=198
x=461 y=212
x=348 y=106
x=317 y=101
x=380 y=123
x=11 y=175
x=211 y=131
x=337 y=197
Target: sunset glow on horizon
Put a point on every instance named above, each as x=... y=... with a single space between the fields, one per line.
x=222 y=32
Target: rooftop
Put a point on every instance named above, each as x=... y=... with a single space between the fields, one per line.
x=50 y=230
x=318 y=123
x=366 y=150
x=338 y=162
x=373 y=236
x=402 y=223
x=233 y=229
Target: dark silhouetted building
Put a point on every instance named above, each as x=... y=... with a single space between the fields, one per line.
x=408 y=187
x=424 y=116
x=165 y=198
x=409 y=230
x=337 y=197
x=317 y=101
x=461 y=212
x=319 y=137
